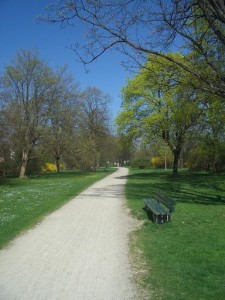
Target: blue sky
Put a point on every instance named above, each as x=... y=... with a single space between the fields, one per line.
x=19 y=30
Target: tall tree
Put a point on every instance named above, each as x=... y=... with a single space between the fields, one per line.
x=4 y=145
x=62 y=110
x=95 y=120
x=212 y=138
x=156 y=105
x=26 y=84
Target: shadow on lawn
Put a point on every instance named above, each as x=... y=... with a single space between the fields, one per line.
x=187 y=188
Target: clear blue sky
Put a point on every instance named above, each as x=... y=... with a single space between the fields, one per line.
x=19 y=30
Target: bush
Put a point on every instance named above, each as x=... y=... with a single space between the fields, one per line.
x=141 y=163
x=49 y=167
x=157 y=162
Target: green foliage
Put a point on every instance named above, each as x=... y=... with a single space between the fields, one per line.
x=183 y=259
x=141 y=163
x=158 y=103
x=208 y=154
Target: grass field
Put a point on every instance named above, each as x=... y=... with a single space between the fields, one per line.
x=184 y=259
x=23 y=203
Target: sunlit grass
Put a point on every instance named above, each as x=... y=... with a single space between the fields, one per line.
x=185 y=258
x=23 y=203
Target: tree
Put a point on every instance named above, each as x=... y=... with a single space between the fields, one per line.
x=164 y=153
x=138 y=28
x=95 y=121
x=4 y=146
x=207 y=152
x=123 y=149
x=62 y=113
x=157 y=105
x=26 y=84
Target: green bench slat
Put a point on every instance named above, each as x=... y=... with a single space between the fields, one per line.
x=168 y=202
x=156 y=207
x=161 y=207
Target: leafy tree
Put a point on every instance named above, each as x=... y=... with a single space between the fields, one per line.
x=156 y=105
x=215 y=131
x=207 y=152
x=123 y=149
x=163 y=156
x=26 y=84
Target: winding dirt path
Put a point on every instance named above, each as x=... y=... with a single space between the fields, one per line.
x=78 y=252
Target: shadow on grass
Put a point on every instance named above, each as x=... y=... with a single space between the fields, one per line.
x=198 y=188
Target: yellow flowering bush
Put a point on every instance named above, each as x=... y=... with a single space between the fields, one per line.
x=49 y=167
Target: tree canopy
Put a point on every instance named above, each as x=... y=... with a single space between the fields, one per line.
x=159 y=102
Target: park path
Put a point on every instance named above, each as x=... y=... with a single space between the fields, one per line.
x=78 y=252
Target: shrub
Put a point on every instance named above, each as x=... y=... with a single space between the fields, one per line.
x=49 y=167
x=141 y=163
x=157 y=162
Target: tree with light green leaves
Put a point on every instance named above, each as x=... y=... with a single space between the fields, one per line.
x=158 y=102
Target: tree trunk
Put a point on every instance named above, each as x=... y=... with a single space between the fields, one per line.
x=23 y=168
x=57 y=164
x=175 y=149
x=165 y=162
x=214 y=165
x=2 y=173
x=176 y=156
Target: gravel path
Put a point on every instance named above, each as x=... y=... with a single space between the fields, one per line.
x=78 y=252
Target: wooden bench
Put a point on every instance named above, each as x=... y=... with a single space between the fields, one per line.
x=160 y=208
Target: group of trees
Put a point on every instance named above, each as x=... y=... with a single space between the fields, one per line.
x=176 y=100
x=177 y=97
x=45 y=117
x=160 y=104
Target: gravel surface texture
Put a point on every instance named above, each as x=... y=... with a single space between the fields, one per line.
x=78 y=252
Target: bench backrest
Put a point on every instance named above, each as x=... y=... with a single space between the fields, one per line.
x=156 y=207
x=168 y=202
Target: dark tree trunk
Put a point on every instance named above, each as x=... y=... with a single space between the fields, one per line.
x=57 y=164
x=23 y=168
x=176 y=150
x=176 y=156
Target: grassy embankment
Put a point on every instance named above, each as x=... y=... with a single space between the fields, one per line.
x=23 y=203
x=184 y=259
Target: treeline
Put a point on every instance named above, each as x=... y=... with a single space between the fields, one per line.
x=46 y=117
x=175 y=104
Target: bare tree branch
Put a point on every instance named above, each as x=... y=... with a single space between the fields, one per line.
x=151 y=27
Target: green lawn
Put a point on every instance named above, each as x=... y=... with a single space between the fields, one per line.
x=23 y=203
x=184 y=259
